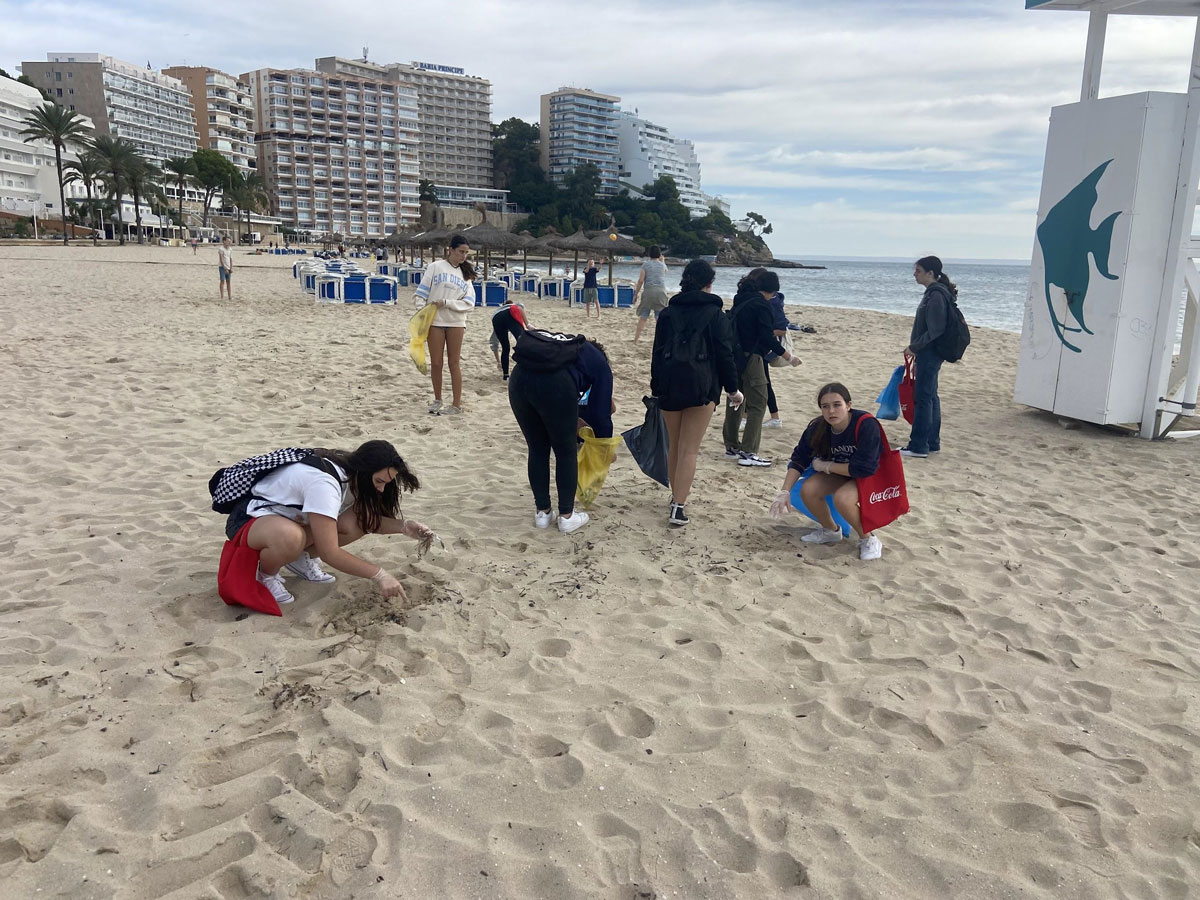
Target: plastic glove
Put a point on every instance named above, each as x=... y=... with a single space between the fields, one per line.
x=388 y=586
x=736 y=399
x=781 y=505
x=795 y=360
x=821 y=465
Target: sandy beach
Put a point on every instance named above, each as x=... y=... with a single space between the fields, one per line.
x=1004 y=706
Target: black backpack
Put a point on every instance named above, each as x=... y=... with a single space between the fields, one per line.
x=547 y=351
x=687 y=369
x=953 y=342
x=233 y=484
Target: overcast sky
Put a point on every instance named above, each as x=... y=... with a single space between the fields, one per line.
x=862 y=128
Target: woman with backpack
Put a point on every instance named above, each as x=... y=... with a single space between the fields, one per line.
x=930 y=325
x=754 y=333
x=552 y=375
x=691 y=362
x=305 y=512
x=842 y=444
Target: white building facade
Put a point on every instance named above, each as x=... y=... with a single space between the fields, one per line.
x=28 y=174
x=649 y=151
x=579 y=126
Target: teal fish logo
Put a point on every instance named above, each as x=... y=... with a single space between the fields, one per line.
x=1067 y=238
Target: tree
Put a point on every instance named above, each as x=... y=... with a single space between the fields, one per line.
x=760 y=221
x=426 y=192
x=213 y=173
x=516 y=154
x=59 y=126
x=250 y=195
x=142 y=176
x=114 y=156
x=178 y=170
x=87 y=171
x=26 y=80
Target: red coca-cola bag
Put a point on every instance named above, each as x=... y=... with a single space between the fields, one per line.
x=883 y=496
x=237 y=576
x=908 y=390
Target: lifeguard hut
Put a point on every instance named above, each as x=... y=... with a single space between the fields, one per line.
x=1109 y=336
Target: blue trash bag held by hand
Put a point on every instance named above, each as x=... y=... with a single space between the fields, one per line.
x=889 y=397
x=647 y=443
x=798 y=502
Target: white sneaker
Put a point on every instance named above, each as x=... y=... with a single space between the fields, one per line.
x=573 y=522
x=450 y=411
x=543 y=519
x=732 y=453
x=822 y=536
x=309 y=569
x=435 y=407
x=870 y=547
x=773 y=423
x=752 y=459
x=274 y=584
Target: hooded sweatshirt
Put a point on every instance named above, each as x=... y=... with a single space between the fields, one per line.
x=689 y=311
x=753 y=325
x=929 y=324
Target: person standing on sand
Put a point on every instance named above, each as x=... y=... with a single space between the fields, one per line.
x=652 y=286
x=591 y=290
x=225 y=268
x=447 y=285
x=692 y=360
x=194 y=244
x=930 y=323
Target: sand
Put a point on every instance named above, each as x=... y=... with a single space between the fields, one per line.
x=1003 y=706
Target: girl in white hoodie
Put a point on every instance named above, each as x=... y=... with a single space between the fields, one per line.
x=447 y=285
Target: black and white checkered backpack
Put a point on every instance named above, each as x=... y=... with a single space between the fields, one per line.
x=233 y=484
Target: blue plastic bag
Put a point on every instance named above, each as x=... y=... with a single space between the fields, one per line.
x=889 y=397
x=798 y=502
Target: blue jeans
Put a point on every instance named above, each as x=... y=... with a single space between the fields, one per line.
x=926 y=433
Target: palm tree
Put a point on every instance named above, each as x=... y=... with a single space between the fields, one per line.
x=143 y=178
x=252 y=195
x=115 y=155
x=58 y=126
x=177 y=171
x=87 y=171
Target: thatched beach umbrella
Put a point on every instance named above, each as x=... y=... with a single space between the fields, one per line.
x=546 y=244
x=611 y=243
x=576 y=242
x=488 y=237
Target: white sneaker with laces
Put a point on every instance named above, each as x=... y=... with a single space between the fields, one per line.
x=450 y=411
x=309 y=569
x=543 y=519
x=435 y=407
x=822 y=536
x=870 y=547
x=752 y=459
x=573 y=522
x=773 y=423
x=274 y=584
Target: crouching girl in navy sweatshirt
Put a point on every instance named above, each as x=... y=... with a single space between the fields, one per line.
x=842 y=444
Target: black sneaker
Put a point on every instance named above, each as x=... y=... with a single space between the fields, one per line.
x=678 y=516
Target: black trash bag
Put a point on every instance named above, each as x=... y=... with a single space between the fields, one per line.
x=647 y=443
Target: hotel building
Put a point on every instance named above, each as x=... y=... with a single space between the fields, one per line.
x=580 y=126
x=28 y=174
x=648 y=151
x=150 y=110
x=224 y=113
x=337 y=147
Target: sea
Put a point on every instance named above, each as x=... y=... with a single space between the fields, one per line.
x=991 y=294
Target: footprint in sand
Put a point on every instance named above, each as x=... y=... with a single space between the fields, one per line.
x=1084 y=821
x=556 y=769
x=1124 y=769
x=227 y=763
x=618 y=851
x=630 y=721
x=32 y=828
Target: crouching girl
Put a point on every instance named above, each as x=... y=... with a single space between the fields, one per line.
x=842 y=445
x=304 y=514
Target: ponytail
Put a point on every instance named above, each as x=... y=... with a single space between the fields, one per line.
x=934 y=265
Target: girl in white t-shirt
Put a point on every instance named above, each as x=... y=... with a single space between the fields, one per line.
x=447 y=285
x=304 y=515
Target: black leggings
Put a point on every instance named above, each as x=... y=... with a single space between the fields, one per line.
x=546 y=405
x=503 y=324
x=772 y=403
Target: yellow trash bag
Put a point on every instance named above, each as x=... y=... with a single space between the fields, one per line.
x=418 y=333
x=595 y=456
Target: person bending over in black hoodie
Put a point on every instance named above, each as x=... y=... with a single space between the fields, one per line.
x=754 y=331
x=692 y=360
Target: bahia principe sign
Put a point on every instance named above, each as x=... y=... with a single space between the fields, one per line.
x=433 y=68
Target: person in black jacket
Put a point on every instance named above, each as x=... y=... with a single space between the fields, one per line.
x=692 y=361
x=753 y=326
x=928 y=326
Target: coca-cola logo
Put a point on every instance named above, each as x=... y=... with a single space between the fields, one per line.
x=892 y=493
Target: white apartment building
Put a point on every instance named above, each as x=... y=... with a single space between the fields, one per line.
x=28 y=174
x=455 y=115
x=337 y=148
x=148 y=109
x=649 y=151
x=580 y=126
x=224 y=113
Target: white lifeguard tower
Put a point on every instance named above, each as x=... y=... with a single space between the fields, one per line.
x=1115 y=249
